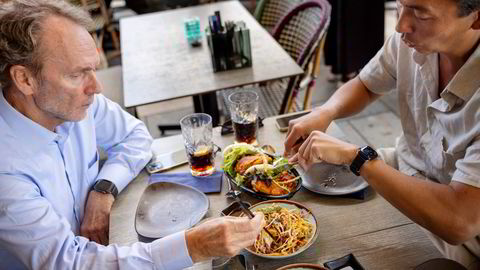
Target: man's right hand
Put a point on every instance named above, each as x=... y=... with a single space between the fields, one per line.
x=225 y=236
x=299 y=129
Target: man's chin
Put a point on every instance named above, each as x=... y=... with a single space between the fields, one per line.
x=77 y=117
x=422 y=50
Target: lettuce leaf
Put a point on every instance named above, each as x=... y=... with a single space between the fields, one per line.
x=229 y=160
x=239 y=179
x=281 y=164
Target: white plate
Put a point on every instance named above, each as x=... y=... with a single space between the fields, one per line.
x=331 y=179
x=289 y=205
x=167 y=208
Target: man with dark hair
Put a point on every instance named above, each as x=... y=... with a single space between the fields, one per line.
x=433 y=174
x=54 y=201
x=466 y=7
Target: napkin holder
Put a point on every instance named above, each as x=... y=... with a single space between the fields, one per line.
x=229 y=45
x=192 y=31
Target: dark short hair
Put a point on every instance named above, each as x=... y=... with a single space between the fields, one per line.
x=465 y=7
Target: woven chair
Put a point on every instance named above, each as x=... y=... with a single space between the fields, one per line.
x=102 y=22
x=301 y=33
x=269 y=12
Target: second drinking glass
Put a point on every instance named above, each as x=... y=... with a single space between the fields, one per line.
x=243 y=105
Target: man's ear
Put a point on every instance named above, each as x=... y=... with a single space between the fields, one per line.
x=23 y=79
x=476 y=23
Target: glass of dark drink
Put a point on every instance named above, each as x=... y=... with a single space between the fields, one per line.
x=197 y=135
x=243 y=105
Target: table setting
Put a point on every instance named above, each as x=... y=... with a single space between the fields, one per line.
x=319 y=219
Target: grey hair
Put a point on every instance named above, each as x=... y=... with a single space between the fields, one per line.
x=465 y=7
x=20 y=32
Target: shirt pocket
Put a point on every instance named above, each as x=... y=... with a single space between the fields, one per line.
x=92 y=170
x=441 y=161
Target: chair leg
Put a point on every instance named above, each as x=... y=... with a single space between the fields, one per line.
x=113 y=34
x=307 y=102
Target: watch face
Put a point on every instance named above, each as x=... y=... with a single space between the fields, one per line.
x=103 y=186
x=369 y=152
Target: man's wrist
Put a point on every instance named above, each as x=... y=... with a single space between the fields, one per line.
x=364 y=155
x=106 y=195
x=193 y=246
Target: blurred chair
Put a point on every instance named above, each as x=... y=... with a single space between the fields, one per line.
x=148 y=6
x=102 y=18
x=301 y=33
x=269 y=12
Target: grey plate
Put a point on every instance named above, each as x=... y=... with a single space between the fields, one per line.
x=331 y=179
x=167 y=208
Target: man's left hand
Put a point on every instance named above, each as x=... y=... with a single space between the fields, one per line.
x=96 y=219
x=320 y=147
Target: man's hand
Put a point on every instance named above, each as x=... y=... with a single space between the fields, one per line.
x=299 y=129
x=225 y=236
x=320 y=147
x=96 y=219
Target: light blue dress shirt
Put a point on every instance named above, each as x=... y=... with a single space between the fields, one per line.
x=45 y=178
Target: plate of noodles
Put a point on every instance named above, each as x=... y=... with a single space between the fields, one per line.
x=291 y=226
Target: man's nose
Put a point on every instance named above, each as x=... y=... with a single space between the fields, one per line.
x=94 y=87
x=404 y=24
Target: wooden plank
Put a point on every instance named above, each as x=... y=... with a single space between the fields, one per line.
x=159 y=64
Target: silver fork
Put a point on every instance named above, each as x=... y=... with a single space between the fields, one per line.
x=231 y=193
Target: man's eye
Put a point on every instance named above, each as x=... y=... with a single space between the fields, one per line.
x=421 y=17
x=76 y=75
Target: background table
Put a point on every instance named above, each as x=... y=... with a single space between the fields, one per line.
x=158 y=64
x=374 y=231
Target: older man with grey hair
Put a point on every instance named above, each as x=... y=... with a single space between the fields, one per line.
x=54 y=201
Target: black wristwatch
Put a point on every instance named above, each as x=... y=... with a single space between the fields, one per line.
x=364 y=154
x=106 y=187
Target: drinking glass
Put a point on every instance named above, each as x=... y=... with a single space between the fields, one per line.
x=197 y=135
x=243 y=105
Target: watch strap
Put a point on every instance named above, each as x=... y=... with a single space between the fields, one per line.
x=364 y=154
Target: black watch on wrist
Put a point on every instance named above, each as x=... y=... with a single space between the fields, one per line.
x=364 y=154
x=106 y=187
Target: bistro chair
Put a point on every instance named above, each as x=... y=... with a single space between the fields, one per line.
x=269 y=12
x=301 y=33
x=102 y=23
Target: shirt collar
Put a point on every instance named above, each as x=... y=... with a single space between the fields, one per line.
x=30 y=133
x=467 y=80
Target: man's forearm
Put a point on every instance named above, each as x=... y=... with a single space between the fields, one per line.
x=349 y=99
x=434 y=206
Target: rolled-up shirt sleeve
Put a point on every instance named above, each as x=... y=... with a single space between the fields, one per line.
x=32 y=231
x=124 y=138
x=380 y=74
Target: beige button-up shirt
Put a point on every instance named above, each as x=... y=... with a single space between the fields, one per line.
x=441 y=133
